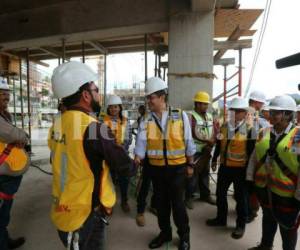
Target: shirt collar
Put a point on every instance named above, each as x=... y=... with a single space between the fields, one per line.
x=286 y=131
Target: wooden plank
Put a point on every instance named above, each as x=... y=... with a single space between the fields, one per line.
x=16 y=56
x=226 y=20
x=224 y=61
x=239 y=44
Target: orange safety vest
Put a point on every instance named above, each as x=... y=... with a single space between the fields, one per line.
x=118 y=128
x=234 y=146
x=166 y=148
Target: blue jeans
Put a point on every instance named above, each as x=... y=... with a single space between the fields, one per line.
x=8 y=185
x=91 y=234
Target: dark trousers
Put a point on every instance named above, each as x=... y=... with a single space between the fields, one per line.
x=91 y=234
x=200 y=177
x=8 y=185
x=269 y=228
x=227 y=176
x=144 y=190
x=252 y=201
x=169 y=185
x=272 y=218
x=123 y=182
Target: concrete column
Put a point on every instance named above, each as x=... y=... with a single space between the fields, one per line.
x=190 y=51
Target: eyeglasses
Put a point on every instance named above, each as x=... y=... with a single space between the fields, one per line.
x=275 y=112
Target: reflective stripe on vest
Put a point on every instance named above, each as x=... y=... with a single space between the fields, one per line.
x=173 y=138
x=203 y=129
x=73 y=180
x=274 y=178
x=236 y=147
x=117 y=127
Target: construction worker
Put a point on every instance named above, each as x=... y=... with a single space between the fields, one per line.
x=257 y=100
x=202 y=131
x=14 y=162
x=265 y=112
x=275 y=169
x=121 y=129
x=165 y=136
x=234 y=145
x=83 y=150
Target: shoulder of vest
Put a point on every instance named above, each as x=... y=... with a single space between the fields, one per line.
x=262 y=133
x=176 y=114
x=176 y=110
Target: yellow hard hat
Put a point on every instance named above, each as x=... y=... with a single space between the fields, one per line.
x=202 y=96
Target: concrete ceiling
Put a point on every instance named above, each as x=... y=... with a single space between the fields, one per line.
x=208 y=5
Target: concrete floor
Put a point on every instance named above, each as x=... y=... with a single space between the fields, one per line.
x=30 y=218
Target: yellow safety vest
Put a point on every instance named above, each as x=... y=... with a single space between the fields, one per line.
x=234 y=151
x=17 y=159
x=118 y=128
x=270 y=174
x=166 y=148
x=73 y=180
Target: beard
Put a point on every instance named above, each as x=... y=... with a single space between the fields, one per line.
x=96 y=107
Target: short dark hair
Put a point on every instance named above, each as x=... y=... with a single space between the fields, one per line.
x=162 y=93
x=75 y=98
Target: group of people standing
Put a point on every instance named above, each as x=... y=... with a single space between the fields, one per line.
x=176 y=149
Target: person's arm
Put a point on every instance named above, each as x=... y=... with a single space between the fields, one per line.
x=251 y=140
x=189 y=141
x=128 y=136
x=99 y=143
x=11 y=134
x=251 y=166
x=141 y=143
x=217 y=151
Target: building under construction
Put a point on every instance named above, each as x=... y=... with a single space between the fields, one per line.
x=194 y=34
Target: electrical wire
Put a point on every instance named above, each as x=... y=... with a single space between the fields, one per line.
x=259 y=44
x=42 y=170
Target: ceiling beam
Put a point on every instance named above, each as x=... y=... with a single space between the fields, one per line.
x=98 y=46
x=53 y=52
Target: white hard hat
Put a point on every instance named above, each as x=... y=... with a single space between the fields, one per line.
x=3 y=84
x=154 y=84
x=298 y=108
x=257 y=96
x=265 y=108
x=238 y=103
x=68 y=77
x=283 y=102
x=114 y=100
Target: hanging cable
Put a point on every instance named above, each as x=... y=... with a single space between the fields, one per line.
x=259 y=44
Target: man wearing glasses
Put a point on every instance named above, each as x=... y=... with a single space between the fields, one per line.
x=82 y=151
